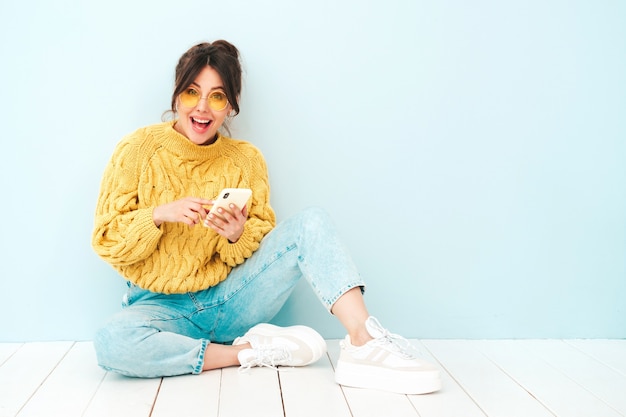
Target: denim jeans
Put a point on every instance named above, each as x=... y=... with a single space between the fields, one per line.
x=162 y=335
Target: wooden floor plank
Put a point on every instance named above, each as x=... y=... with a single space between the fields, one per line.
x=558 y=392
x=70 y=387
x=311 y=391
x=255 y=392
x=602 y=381
x=610 y=352
x=25 y=370
x=372 y=403
x=189 y=395
x=7 y=350
x=492 y=390
x=121 y=396
x=451 y=401
x=496 y=378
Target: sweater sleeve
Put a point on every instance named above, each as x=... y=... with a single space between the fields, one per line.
x=124 y=231
x=261 y=217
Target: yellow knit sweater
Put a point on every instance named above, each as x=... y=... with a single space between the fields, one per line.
x=157 y=165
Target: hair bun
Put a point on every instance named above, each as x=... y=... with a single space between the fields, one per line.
x=227 y=47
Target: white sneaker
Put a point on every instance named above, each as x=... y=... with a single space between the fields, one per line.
x=385 y=363
x=274 y=346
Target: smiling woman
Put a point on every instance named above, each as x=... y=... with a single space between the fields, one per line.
x=201 y=115
x=200 y=298
x=221 y=59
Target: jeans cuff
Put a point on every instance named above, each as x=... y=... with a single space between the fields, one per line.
x=331 y=302
x=198 y=369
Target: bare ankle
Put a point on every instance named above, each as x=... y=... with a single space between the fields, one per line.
x=360 y=338
x=243 y=346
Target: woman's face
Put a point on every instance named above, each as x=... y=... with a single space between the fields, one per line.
x=201 y=122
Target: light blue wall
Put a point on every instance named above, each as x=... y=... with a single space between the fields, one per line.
x=472 y=153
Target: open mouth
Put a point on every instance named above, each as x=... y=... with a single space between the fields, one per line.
x=201 y=124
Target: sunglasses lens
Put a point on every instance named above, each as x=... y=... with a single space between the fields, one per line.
x=190 y=97
x=218 y=101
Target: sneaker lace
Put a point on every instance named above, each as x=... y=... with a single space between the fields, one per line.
x=393 y=342
x=267 y=356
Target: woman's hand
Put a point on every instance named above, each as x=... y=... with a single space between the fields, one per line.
x=228 y=223
x=189 y=210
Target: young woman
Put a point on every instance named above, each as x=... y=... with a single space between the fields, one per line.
x=202 y=286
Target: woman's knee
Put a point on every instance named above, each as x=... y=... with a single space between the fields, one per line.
x=314 y=217
x=116 y=343
x=106 y=346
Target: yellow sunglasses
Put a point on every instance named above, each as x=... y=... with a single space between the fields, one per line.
x=216 y=100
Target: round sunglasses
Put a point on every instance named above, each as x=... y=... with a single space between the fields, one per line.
x=216 y=100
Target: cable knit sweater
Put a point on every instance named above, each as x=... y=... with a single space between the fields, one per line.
x=157 y=165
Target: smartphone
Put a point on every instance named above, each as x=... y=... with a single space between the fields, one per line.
x=236 y=196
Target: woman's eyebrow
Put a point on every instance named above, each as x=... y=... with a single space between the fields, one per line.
x=194 y=84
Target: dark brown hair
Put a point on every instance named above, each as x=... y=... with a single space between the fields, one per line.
x=220 y=55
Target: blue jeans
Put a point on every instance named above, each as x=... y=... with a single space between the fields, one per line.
x=162 y=335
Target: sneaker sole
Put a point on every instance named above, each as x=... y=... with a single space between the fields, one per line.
x=313 y=339
x=401 y=382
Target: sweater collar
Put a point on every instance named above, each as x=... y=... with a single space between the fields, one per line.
x=181 y=146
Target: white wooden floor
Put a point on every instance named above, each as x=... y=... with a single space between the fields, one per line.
x=504 y=378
